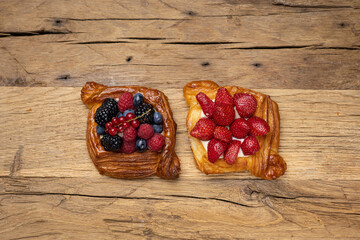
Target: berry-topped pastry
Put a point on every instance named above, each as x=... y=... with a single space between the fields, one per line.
x=233 y=129
x=130 y=131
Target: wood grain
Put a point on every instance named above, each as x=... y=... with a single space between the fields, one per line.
x=304 y=54
x=265 y=44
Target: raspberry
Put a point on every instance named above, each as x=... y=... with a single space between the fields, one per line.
x=125 y=102
x=129 y=134
x=145 y=131
x=156 y=142
x=128 y=147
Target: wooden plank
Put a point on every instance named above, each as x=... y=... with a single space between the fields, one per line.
x=43 y=208
x=44 y=133
x=156 y=64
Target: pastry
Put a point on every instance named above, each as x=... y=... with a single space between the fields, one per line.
x=130 y=131
x=238 y=131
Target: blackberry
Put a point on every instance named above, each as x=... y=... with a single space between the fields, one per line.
x=143 y=108
x=111 y=143
x=106 y=111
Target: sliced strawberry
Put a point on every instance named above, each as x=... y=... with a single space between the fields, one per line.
x=250 y=145
x=222 y=134
x=240 y=128
x=224 y=115
x=206 y=104
x=204 y=129
x=215 y=149
x=223 y=97
x=232 y=152
x=245 y=104
x=258 y=126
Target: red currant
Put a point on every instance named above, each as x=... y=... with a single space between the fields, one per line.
x=115 y=121
x=121 y=129
x=126 y=125
x=113 y=131
x=130 y=116
x=122 y=119
x=135 y=123
x=109 y=125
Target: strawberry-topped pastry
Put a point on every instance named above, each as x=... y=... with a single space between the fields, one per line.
x=233 y=129
x=131 y=131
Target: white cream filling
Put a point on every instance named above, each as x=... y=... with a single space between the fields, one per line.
x=205 y=143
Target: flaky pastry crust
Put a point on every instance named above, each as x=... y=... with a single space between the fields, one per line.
x=266 y=163
x=164 y=164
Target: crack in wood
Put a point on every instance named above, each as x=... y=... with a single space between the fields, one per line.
x=101 y=42
x=126 y=19
x=33 y=33
x=210 y=198
x=16 y=164
x=290 y=4
x=201 y=43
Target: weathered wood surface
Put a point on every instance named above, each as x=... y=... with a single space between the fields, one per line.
x=305 y=54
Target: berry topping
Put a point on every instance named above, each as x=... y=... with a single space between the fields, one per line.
x=156 y=142
x=157 y=118
x=106 y=111
x=258 y=126
x=122 y=119
x=204 y=129
x=138 y=99
x=250 y=145
x=206 y=104
x=223 y=97
x=113 y=131
x=115 y=121
x=135 y=123
x=128 y=111
x=215 y=149
x=245 y=104
x=158 y=128
x=125 y=125
x=232 y=152
x=141 y=145
x=130 y=116
x=119 y=115
x=125 y=102
x=130 y=134
x=145 y=131
x=240 y=128
x=223 y=134
x=145 y=112
x=100 y=130
x=111 y=143
x=121 y=129
x=128 y=147
x=224 y=115
x=109 y=125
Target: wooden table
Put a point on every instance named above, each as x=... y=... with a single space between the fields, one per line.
x=305 y=54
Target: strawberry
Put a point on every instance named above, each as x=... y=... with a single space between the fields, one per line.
x=204 y=129
x=240 y=128
x=222 y=134
x=224 y=115
x=250 y=145
x=258 y=126
x=125 y=102
x=206 y=104
x=232 y=152
x=223 y=97
x=245 y=104
x=215 y=149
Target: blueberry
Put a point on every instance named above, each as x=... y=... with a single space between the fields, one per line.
x=141 y=145
x=127 y=111
x=119 y=115
x=157 y=118
x=138 y=99
x=158 y=128
x=100 y=130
